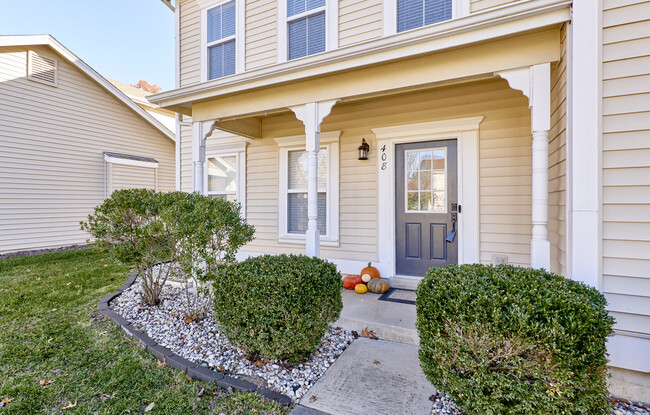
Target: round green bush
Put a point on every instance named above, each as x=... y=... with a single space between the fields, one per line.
x=277 y=307
x=511 y=340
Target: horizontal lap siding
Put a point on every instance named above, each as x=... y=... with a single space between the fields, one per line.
x=51 y=151
x=261 y=33
x=186 y=156
x=132 y=177
x=505 y=168
x=626 y=163
x=190 y=42
x=359 y=21
x=557 y=164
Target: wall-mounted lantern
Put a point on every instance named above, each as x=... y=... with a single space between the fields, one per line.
x=364 y=149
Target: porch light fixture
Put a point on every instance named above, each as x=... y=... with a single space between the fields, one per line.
x=364 y=149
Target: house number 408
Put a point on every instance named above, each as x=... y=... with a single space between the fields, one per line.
x=384 y=157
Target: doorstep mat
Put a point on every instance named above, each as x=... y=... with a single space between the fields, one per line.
x=398 y=295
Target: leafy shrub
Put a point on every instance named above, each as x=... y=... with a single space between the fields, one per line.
x=511 y=340
x=277 y=307
x=191 y=232
x=129 y=221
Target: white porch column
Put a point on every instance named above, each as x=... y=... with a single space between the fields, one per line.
x=311 y=115
x=200 y=131
x=535 y=83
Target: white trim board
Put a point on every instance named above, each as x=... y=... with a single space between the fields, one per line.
x=466 y=132
x=47 y=40
x=130 y=162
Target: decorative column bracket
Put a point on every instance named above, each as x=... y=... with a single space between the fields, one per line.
x=201 y=130
x=312 y=115
x=535 y=83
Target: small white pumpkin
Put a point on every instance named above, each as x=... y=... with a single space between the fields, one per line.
x=366 y=277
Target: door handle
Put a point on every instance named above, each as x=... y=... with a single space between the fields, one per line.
x=452 y=234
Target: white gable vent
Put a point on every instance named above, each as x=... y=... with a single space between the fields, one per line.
x=41 y=69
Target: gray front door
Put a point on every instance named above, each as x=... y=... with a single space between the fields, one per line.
x=426 y=196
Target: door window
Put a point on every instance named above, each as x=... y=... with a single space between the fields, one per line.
x=426 y=180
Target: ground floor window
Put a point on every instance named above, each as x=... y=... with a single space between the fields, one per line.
x=293 y=171
x=222 y=177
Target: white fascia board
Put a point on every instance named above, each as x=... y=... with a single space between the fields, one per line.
x=48 y=40
x=518 y=18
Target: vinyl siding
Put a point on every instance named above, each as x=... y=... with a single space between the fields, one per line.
x=505 y=168
x=557 y=163
x=131 y=177
x=359 y=20
x=52 y=141
x=480 y=5
x=190 y=42
x=261 y=33
x=626 y=163
x=186 y=156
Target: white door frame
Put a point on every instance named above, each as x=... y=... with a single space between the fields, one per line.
x=466 y=132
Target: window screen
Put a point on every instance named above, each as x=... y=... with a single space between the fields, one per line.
x=417 y=13
x=297 y=191
x=221 y=22
x=306 y=33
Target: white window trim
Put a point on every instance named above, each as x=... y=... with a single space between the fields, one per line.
x=240 y=35
x=329 y=140
x=30 y=56
x=229 y=149
x=459 y=8
x=466 y=132
x=331 y=27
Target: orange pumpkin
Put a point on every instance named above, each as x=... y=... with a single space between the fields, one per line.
x=378 y=285
x=350 y=281
x=361 y=288
x=370 y=270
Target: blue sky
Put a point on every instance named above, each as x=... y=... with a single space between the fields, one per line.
x=125 y=40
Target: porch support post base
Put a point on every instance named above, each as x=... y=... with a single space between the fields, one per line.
x=312 y=115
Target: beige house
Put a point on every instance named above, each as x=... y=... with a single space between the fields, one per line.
x=68 y=138
x=499 y=131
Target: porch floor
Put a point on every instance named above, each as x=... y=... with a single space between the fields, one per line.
x=389 y=320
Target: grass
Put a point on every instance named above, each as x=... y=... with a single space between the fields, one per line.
x=57 y=350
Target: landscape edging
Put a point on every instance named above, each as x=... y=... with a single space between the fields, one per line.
x=177 y=362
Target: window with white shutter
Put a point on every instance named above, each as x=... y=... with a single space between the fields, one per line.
x=42 y=69
x=412 y=14
x=221 y=22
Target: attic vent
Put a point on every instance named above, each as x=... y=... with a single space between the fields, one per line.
x=41 y=69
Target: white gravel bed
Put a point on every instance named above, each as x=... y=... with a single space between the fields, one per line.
x=202 y=343
x=443 y=404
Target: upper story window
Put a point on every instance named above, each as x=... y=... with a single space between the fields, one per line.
x=222 y=38
x=403 y=15
x=306 y=27
x=417 y=13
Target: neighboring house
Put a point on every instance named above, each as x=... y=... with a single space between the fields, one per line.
x=521 y=124
x=68 y=138
x=137 y=95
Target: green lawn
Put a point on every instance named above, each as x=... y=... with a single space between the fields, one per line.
x=56 y=349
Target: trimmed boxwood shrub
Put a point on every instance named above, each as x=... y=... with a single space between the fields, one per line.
x=511 y=340
x=277 y=307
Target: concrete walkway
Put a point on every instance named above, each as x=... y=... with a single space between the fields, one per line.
x=372 y=377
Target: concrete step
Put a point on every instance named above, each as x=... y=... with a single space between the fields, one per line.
x=390 y=321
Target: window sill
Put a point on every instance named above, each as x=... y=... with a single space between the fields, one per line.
x=301 y=241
